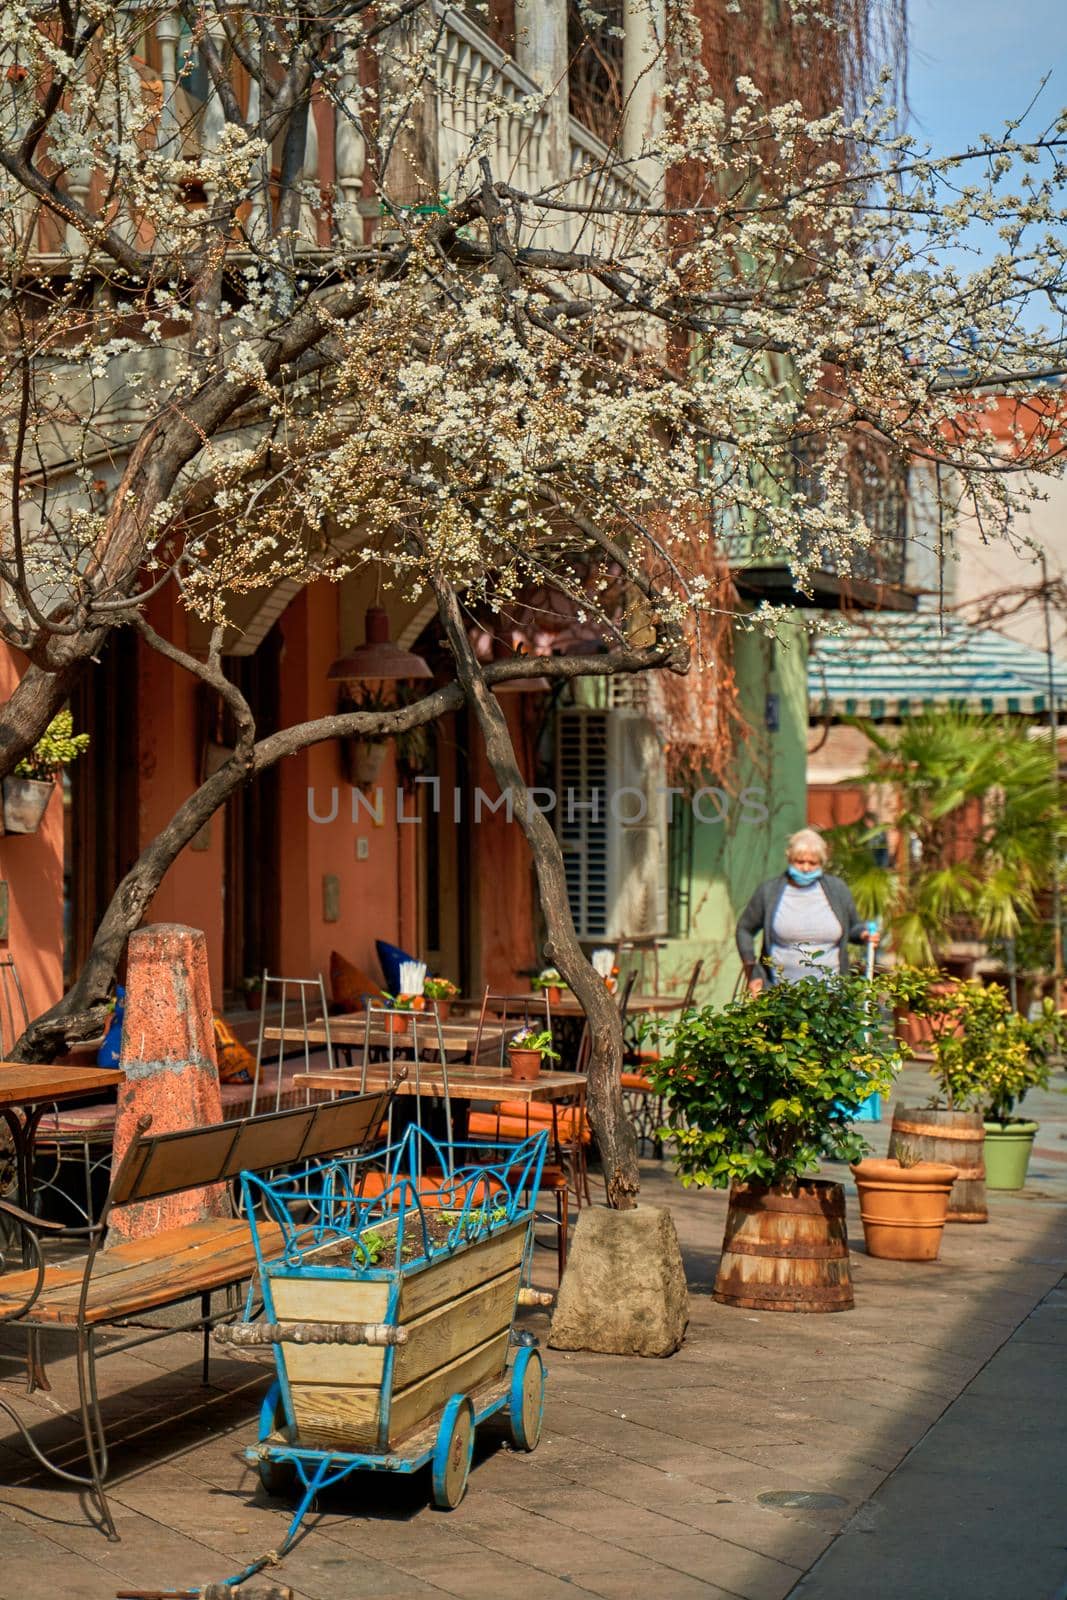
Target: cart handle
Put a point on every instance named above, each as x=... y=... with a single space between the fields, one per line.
x=243 y=1334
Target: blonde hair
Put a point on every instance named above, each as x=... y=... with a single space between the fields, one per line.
x=807 y=839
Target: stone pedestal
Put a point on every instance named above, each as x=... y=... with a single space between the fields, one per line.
x=624 y=1291
x=168 y=1055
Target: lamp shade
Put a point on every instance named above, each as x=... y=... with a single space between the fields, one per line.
x=378 y=658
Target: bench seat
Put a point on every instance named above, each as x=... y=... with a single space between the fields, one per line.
x=141 y=1275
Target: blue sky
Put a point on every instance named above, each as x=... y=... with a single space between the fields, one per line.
x=972 y=65
x=975 y=63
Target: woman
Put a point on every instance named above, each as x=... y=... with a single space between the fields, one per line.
x=807 y=919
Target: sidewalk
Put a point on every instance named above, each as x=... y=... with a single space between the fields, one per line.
x=726 y=1471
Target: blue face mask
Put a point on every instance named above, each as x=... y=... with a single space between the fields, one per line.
x=803 y=880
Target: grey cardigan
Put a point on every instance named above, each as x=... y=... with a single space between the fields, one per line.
x=758 y=917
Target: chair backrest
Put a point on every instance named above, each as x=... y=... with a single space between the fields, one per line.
x=691 y=986
x=511 y=1012
x=168 y=1163
x=302 y=1003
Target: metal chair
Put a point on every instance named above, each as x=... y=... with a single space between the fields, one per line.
x=644 y=1107
x=292 y=992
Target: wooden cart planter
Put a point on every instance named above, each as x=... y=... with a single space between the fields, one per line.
x=390 y=1310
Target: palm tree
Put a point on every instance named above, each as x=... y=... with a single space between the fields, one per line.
x=980 y=822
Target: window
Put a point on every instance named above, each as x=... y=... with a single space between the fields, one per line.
x=680 y=869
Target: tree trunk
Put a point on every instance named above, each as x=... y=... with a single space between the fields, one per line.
x=615 y=1136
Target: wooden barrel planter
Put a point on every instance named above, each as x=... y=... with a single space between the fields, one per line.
x=785 y=1249
x=955 y=1138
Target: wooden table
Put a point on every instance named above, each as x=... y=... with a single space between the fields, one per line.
x=464 y=1083
x=25 y=1093
x=350 y=1033
x=569 y=1005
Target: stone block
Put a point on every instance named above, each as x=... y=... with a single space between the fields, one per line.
x=172 y=1075
x=624 y=1290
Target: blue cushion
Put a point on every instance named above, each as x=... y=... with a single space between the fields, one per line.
x=389 y=958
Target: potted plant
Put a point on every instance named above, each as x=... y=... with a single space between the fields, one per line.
x=903 y=1204
x=442 y=991
x=1022 y=1064
x=527 y=1049
x=757 y=1094
x=552 y=981
x=984 y=1056
x=400 y=1008
x=29 y=789
x=252 y=988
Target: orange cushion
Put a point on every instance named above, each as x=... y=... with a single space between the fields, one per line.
x=512 y=1123
x=349 y=984
x=236 y=1063
x=637 y=1081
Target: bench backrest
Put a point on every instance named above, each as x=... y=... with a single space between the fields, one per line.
x=167 y=1163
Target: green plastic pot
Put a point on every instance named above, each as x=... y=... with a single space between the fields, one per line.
x=1007 y=1153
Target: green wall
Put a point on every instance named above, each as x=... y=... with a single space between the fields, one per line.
x=730 y=858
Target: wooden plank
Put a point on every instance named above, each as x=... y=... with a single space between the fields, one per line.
x=301 y=1299
x=413 y=1405
x=443 y=1335
x=448 y=1279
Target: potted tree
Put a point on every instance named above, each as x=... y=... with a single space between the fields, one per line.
x=757 y=1094
x=29 y=789
x=527 y=1049
x=1021 y=1064
x=984 y=1057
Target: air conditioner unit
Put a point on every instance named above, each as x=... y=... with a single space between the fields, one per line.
x=611 y=820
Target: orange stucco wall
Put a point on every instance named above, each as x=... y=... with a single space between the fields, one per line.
x=32 y=867
x=503 y=886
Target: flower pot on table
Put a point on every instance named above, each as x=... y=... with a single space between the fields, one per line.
x=1007 y=1153
x=903 y=1208
x=396 y=1022
x=443 y=1009
x=525 y=1064
x=555 y=994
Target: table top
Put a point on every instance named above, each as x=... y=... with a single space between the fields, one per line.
x=568 y=1005
x=352 y=1030
x=464 y=1083
x=31 y=1085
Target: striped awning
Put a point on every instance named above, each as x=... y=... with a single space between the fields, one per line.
x=897 y=665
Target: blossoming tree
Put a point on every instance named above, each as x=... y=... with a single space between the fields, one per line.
x=450 y=358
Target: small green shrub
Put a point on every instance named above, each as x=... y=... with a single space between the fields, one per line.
x=760 y=1090
x=57 y=747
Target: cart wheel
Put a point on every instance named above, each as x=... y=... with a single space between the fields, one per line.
x=277 y=1477
x=452 y=1453
x=526 y=1401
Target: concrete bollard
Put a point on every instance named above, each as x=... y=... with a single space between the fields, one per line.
x=172 y=1076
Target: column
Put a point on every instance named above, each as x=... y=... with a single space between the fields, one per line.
x=541 y=52
x=350 y=151
x=643 y=75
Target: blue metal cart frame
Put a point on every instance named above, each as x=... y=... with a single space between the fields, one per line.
x=338 y=1207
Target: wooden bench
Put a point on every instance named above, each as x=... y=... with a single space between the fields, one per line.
x=133 y=1279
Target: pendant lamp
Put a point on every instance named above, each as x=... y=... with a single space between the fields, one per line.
x=378 y=659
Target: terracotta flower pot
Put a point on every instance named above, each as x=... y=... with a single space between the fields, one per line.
x=555 y=995
x=903 y=1208
x=443 y=1009
x=1007 y=1153
x=525 y=1064
x=396 y=1022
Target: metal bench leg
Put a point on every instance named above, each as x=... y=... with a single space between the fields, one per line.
x=93 y=1427
x=205 y=1312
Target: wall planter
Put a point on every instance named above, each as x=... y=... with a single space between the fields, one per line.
x=1007 y=1153
x=364 y=759
x=903 y=1208
x=953 y=1138
x=785 y=1248
x=25 y=803
x=525 y=1064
